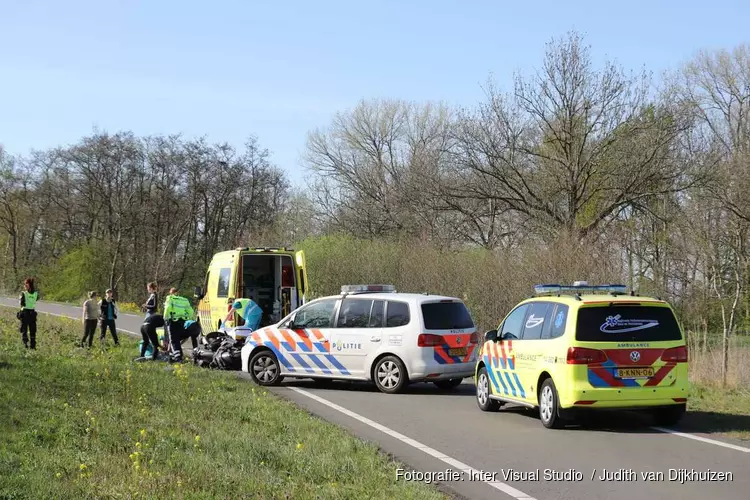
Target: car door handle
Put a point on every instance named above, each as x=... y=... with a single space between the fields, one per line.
x=374 y=339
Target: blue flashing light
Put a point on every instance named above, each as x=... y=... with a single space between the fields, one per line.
x=555 y=289
x=367 y=288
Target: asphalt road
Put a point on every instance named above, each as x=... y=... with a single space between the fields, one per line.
x=435 y=431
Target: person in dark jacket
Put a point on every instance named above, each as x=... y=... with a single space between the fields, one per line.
x=27 y=314
x=152 y=303
x=108 y=314
x=150 y=338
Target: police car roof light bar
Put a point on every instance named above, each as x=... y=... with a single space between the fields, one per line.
x=367 y=288
x=579 y=288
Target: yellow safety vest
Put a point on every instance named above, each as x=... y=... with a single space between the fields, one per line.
x=30 y=299
x=177 y=308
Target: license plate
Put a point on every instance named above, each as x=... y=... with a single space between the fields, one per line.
x=634 y=373
x=458 y=351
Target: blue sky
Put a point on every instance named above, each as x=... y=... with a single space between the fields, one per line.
x=229 y=69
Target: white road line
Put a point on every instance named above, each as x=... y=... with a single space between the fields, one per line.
x=705 y=440
x=507 y=489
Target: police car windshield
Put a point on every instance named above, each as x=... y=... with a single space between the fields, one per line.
x=446 y=316
x=627 y=324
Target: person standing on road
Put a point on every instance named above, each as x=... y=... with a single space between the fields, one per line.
x=27 y=314
x=177 y=310
x=90 y=315
x=108 y=314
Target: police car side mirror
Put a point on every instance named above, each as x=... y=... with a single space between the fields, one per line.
x=490 y=335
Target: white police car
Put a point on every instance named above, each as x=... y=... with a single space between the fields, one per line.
x=371 y=333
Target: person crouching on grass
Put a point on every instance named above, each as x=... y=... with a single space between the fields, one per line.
x=90 y=315
x=108 y=314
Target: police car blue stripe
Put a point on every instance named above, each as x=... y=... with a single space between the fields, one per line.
x=288 y=347
x=320 y=363
x=280 y=357
x=331 y=359
x=510 y=383
x=302 y=363
x=520 y=385
x=301 y=346
x=320 y=347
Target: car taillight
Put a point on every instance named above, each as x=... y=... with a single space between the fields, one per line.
x=429 y=340
x=676 y=354
x=474 y=338
x=585 y=356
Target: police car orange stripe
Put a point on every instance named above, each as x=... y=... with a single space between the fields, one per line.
x=272 y=338
x=291 y=344
x=322 y=343
x=305 y=340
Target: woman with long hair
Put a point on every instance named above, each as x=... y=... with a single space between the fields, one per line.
x=27 y=315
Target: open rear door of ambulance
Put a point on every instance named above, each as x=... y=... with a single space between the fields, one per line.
x=302 y=284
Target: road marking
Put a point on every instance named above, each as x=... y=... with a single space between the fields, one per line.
x=705 y=440
x=498 y=485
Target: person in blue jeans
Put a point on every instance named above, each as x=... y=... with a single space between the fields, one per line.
x=108 y=314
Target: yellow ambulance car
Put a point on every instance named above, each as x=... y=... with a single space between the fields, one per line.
x=580 y=347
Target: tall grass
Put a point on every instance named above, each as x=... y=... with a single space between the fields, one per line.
x=706 y=360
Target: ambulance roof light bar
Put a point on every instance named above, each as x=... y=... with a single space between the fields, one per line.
x=348 y=289
x=578 y=288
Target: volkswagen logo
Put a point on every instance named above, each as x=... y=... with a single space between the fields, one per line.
x=635 y=356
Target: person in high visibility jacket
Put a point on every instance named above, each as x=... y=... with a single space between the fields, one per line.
x=249 y=311
x=177 y=310
x=27 y=314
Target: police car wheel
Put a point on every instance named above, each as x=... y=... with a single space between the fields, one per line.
x=484 y=390
x=449 y=383
x=390 y=375
x=264 y=369
x=548 y=404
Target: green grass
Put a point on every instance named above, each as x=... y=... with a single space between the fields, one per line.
x=719 y=411
x=94 y=424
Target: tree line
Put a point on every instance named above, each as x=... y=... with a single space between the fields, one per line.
x=612 y=173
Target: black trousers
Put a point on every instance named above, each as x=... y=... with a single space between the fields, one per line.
x=148 y=333
x=28 y=324
x=177 y=333
x=89 y=327
x=109 y=323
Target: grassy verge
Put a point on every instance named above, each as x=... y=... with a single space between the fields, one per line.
x=719 y=411
x=93 y=424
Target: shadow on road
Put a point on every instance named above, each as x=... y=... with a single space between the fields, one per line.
x=710 y=422
x=694 y=422
x=427 y=388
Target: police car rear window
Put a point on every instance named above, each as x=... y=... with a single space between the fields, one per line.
x=446 y=316
x=627 y=324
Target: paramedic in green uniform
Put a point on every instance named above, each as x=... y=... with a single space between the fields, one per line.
x=249 y=311
x=177 y=310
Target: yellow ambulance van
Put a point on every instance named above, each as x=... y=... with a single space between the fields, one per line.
x=274 y=278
